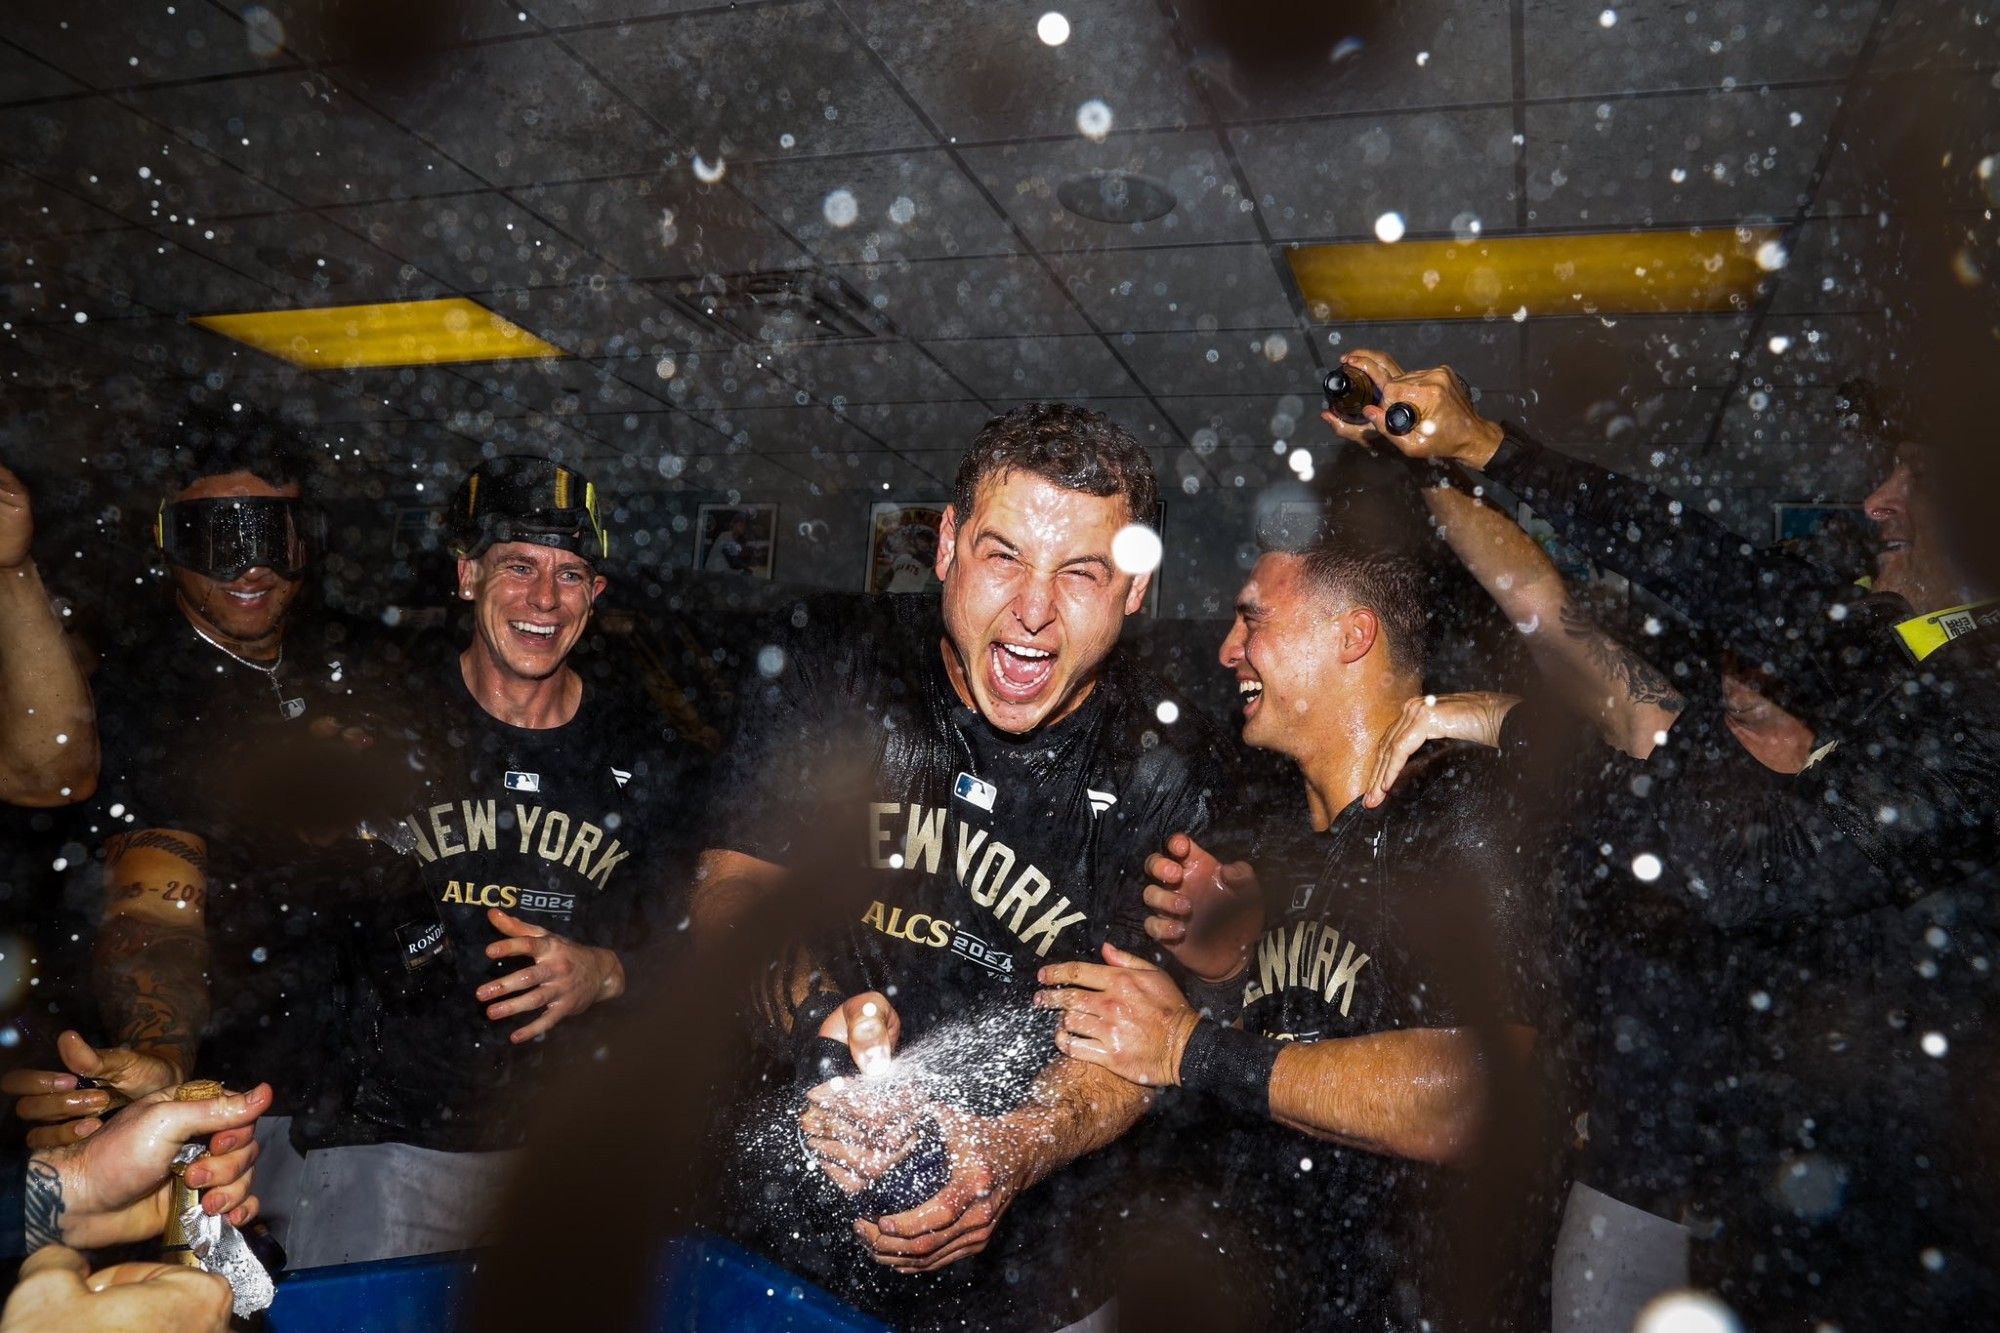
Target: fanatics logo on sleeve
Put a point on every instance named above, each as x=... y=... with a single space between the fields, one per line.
x=975 y=792
x=519 y=781
x=621 y=776
x=1100 y=801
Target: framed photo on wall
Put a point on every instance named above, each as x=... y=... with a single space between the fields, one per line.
x=736 y=539
x=902 y=546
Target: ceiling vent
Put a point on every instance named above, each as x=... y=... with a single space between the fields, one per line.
x=1123 y=197
x=790 y=307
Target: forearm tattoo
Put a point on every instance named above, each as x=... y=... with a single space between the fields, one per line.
x=42 y=1211
x=158 y=840
x=151 y=983
x=1642 y=682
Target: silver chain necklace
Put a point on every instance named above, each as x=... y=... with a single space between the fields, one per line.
x=288 y=708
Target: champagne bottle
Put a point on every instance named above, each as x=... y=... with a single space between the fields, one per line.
x=1347 y=392
x=181 y=1197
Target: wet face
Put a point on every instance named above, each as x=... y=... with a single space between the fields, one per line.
x=530 y=605
x=1286 y=649
x=249 y=609
x=1032 y=600
x=1908 y=561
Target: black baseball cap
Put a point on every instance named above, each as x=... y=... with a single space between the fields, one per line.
x=522 y=498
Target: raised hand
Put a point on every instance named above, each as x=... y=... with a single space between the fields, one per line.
x=564 y=979
x=1206 y=914
x=1475 y=716
x=70 y=1104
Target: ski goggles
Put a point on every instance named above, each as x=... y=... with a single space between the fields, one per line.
x=228 y=537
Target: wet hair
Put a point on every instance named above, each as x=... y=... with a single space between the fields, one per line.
x=1358 y=556
x=204 y=446
x=1074 y=447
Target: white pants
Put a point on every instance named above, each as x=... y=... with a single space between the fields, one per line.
x=382 y=1201
x=1611 y=1259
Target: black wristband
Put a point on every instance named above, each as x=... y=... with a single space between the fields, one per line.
x=1514 y=444
x=823 y=1058
x=1231 y=1066
x=806 y=1019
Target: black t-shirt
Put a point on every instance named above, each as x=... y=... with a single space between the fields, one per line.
x=196 y=740
x=580 y=829
x=1425 y=912
x=983 y=857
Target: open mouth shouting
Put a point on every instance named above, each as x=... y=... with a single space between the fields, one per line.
x=1019 y=672
x=1252 y=694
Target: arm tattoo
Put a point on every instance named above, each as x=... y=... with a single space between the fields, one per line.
x=42 y=1210
x=1643 y=682
x=152 y=985
x=159 y=840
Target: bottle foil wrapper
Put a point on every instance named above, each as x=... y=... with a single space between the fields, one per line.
x=222 y=1250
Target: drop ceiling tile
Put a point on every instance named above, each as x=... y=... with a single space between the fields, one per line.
x=869 y=476
x=143 y=272
x=306 y=401
x=716 y=378
x=1841 y=264
x=97 y=150
x=1660 y=44
x=28 y=207
x=864 y=372
x=966 y=298
x=1052 y=368
x=1195 y=287
x=164 y=346
x=1822 y=350
x=306 y=135
x=1184 y=364
x=928 y=428
x=1332 y=179
x=476 y=242
x=788 y=430
x=406 y=40
x=980 y=72
x=1412 y=53
x=1617 y=169
x=600 y=320
x=25 y=79
x=666 y=225
x=1026 y=179
x=120 y=43
x=1486 y=353
x=564 y=388
x=309 y=260
x=1248 y=425
x=915 y=205
x=519 y=113
x=1635 y=354
x=566 y=13
x=736 y=83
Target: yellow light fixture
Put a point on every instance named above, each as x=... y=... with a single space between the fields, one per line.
x=1594 y=273
x=396 y=333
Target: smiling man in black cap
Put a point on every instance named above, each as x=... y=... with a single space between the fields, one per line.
x=504 y=897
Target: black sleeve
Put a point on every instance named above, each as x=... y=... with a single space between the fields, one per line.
x=1875 y=822
x=1809 y=623
x=1189 y=790
x=1477 y=851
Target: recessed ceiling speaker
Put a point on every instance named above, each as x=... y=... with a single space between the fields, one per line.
x=1116 y=196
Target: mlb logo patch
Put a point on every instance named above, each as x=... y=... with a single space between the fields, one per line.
x=975 y=792
x=518 y=781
